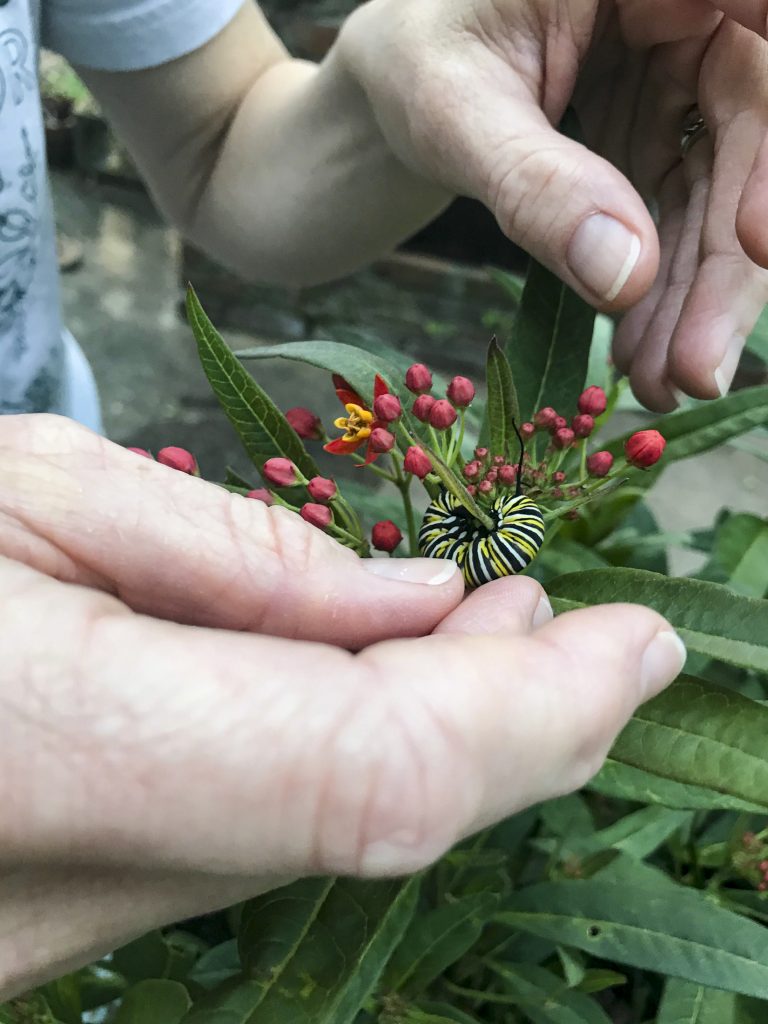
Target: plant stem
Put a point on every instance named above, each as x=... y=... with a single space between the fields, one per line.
x=403 y=484
x=375 y=469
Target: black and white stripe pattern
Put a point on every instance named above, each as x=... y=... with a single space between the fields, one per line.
x=450 y=531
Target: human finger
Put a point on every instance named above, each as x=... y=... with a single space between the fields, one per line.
x=84 y=510
x=514 y=604
x=198 y=749
x=729 y=290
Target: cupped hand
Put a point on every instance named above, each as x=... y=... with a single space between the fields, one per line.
x=148 y=730
x=468 y=92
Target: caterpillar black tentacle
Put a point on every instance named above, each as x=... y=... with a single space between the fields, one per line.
x=450 y=531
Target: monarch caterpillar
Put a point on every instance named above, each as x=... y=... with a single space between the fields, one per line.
x=450 y=531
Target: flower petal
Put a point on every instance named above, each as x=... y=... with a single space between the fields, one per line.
x=342 y=447
x=379 y=387
x=345 y=392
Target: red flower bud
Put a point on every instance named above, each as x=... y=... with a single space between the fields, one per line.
x=558 y=493
x=592 y=402
x=141 y=451
x=573 y=515
x=583 y=425
x=499 y=460
x=321 y=489
x=422 y=407
x=382 y=440
x=545 y=418
x=461 y=391
x=442 y=415
x=492 y=476
x=481 y=453
x=485 y=487
x=280 y=472
x=471 y=490
x=387 y=408
x=527 y=430
x=471 y=470
x=385 y=535
x=508 y=475
x=261 y=494
x=418 y=379
x=560 y=423
x=306 y=424
x=417 y=462
x=318 y=515
x=600 y=464
x=558 y=478
x=643 y=449
x=178 y=458
x=563 y=437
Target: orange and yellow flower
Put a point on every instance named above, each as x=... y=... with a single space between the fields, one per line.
x=359 y=422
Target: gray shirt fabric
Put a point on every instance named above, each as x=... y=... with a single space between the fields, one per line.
x=36 y=361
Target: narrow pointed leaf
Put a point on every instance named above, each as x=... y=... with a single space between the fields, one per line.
x=546 y=999
x=550 y=344
x=659 y=927
x=262 y=427
x=312 y=952
x=710 y=619
x=437 y=939
x=502 y=408
x=698 y=430
x=624 y=782
x=686 y=1003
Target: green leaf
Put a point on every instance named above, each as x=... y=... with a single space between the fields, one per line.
x=502 y=409
x=153 y=1002
x=637 y=834
x=550 y=345
x=698 y=430
x=313 y=951
x=355 y=365
x=686 y=1003
x=710 y=619
x=157 y=956
x=697 y=733
x=568 y=816
x=658 y=927
x=261 y=426
x=741 y=550
x=624 y=782
x=443 y=1012
x=600 y=980
x=437 y=939
x=546 y=999
x=217 y=965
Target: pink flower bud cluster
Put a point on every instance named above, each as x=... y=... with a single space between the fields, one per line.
x=488 y=473
x=439 y=413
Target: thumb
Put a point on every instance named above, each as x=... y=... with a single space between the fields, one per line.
x=84 y=510
x=569 y=208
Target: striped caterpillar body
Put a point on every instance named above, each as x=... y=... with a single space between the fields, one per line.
x=450 y=531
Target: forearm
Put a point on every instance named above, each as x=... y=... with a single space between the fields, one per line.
x=304 y=187
x=274 y=166
x=55 y=920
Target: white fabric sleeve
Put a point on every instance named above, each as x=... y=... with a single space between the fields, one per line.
x=130 y=35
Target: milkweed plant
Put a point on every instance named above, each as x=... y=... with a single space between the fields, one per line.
x=642 y=899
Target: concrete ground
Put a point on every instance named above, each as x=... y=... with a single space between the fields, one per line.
x=123 y=306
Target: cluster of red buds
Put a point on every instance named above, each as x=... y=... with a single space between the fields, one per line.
x=369 y=432
x=283 y=473
x=750 y=859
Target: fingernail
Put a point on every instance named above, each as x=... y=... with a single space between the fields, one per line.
x=662 y=662
x=726 y=371
x=602 y=254
x=431 y=572
x=543 y=613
